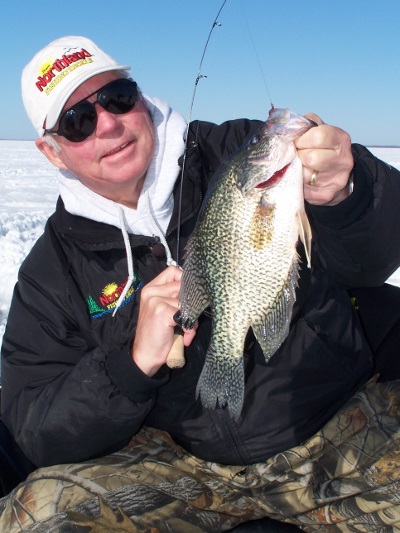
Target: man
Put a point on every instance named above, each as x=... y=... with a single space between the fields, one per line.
x=92 y=322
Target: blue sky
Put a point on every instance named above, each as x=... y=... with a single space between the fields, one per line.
x=337 y=58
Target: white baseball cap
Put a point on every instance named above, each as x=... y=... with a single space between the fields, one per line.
x=55 y=72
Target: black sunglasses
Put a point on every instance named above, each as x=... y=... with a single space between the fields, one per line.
x=79 y=122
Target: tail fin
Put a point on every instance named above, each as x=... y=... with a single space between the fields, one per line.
x=221 y=383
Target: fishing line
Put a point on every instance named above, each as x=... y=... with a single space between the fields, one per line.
x=256 y=54
x=198 y=78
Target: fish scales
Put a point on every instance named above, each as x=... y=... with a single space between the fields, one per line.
x=241 y=260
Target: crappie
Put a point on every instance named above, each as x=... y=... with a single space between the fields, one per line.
x=241 y=259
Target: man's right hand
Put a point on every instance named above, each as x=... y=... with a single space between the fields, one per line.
x=155 y=327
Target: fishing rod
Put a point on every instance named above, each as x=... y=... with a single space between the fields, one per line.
x=199 y=76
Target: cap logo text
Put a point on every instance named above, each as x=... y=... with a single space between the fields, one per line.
x=63 y=65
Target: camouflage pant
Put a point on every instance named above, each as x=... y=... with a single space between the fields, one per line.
x=344 y=478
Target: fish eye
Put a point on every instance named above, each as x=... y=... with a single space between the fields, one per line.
x=255 y=139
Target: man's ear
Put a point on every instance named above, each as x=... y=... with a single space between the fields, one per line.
x=50 y=152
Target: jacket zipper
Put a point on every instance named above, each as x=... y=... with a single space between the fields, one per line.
x=232 y=444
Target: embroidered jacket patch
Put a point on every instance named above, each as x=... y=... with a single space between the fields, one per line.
x=105 y=303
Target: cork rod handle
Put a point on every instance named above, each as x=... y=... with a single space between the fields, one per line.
x=176 y=357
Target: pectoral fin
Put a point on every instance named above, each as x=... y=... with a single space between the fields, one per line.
x=305 y=234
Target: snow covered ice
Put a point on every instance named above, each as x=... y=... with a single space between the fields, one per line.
x=28 y=192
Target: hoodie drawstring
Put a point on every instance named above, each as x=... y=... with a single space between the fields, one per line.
x=158 y=232
x=128 y=249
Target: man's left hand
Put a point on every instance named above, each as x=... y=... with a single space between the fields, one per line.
x=325 y=153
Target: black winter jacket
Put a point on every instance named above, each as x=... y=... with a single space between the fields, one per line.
x=70 y=388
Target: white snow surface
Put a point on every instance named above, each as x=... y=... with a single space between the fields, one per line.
x=28 y=194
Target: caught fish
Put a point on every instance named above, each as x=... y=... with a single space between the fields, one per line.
x=241 y=260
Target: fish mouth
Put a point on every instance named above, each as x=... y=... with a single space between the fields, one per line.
x=246 y=187
x=276 y=176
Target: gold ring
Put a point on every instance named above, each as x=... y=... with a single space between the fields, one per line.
x=313 y=178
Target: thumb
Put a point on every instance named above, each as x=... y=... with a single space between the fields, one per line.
x=315 y=118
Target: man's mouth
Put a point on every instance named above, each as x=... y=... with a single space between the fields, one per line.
x=119 y=149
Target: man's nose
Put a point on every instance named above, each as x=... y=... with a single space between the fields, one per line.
x=106 y=121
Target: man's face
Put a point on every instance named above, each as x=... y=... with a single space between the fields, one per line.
x=114 y=160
